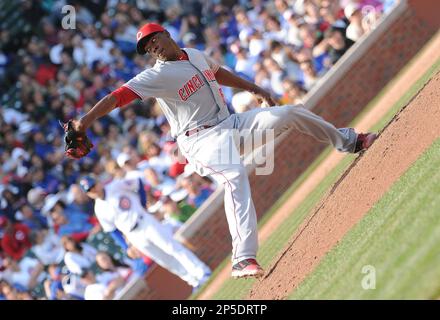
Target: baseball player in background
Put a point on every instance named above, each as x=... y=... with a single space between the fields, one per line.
x=186 y=83
x=118 y=206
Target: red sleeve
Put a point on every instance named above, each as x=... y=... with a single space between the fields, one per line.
x=124 y=96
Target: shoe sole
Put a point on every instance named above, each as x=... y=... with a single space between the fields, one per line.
x=257 y=275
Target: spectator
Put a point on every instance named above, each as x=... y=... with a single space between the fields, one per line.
x=72 y=287
x=15 y=242
x=158 y=183
x=338 y=44
x=177 y=211
x=23 y=275
x=79 y=256
x=310 y=76
x=293 y=21
x=158 y=160
x=112 y=270
x=292 y=92
x=97 y=49
x=355 y=29
x=95 y=290
x=244 y=63
x=76 y=225
x=335 y=44
x=276 y=75
x=107 y=284
x=53 y=287
x=79 y=202
x=8 y=292
x=197 y=192
x=44 y=180
x=332 y=14
x=10 y=202
x=177 y=161
x=31 y=218
x=243 y=101
x=35 y=197
x=128 y=162
x=191 y=25
x=46 y=246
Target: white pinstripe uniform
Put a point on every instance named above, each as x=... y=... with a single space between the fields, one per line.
x=191 y=98
x=121 y=209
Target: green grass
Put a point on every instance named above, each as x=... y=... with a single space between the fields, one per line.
x=237 y=289
x=399 y=237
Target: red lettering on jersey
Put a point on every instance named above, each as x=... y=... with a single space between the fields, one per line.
x=202 y=83
x=188 y=93
x=206 y=73
x=210 y=76
x=182 y=94
x=191 y=87
x=196 y=82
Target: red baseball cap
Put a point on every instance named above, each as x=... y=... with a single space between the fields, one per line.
x=143 y=33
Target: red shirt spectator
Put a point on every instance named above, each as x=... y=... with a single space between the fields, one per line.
x=15 y=242
x=45 y=73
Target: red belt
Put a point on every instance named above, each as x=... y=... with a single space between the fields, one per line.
x=191 y=132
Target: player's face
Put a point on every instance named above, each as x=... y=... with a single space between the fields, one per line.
x=161 y=46
x=96 y=192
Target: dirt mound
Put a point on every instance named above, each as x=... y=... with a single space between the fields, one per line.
x=410 y=132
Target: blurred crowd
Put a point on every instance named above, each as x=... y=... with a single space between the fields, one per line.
x=52 y=246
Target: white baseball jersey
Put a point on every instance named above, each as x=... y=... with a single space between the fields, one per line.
x=187 y=91
x=121 y=207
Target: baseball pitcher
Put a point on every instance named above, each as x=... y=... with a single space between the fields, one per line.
x=186 y=83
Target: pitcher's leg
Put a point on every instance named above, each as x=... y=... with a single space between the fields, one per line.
x=240 y=211
x=218 y=157
x=285 y=117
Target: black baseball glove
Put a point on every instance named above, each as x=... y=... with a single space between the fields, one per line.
x=78 y=145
